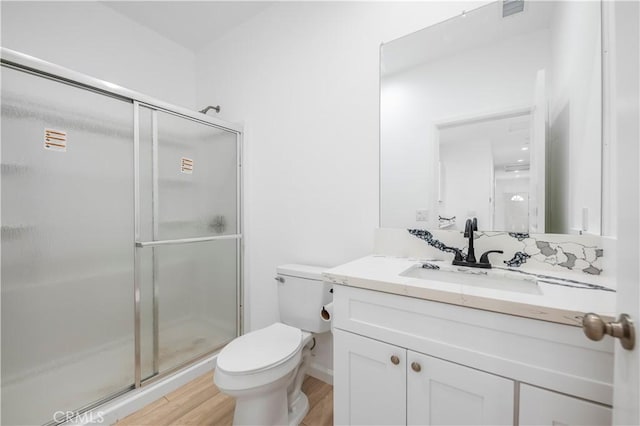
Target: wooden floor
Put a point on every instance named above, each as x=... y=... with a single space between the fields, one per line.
x=199 y=402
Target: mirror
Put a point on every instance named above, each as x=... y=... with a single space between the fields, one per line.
x=495 y=114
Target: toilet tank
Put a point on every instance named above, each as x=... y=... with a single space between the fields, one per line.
x=301 y=295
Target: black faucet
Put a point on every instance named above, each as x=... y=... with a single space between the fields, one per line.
x=470 y=260
x=469 y=227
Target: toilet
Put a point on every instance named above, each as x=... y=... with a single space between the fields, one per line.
x=264 y=369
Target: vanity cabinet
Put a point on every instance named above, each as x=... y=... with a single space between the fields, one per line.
x=402 y=360
x=389 y=385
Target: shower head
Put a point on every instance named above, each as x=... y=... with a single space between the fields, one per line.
x=217 y=108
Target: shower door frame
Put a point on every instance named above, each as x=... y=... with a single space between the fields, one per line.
x=238 y=236
x=44 y=69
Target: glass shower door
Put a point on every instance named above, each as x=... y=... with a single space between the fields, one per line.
x=67 y=248
x=189 y=239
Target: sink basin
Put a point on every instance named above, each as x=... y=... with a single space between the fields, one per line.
x=475 y=278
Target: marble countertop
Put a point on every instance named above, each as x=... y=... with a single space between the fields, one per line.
x=561 y=299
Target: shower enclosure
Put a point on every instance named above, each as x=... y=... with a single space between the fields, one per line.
x=121 y=239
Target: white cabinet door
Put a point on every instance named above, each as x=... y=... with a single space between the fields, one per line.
x=369 y=386
x=444 y=393
x=543 y=407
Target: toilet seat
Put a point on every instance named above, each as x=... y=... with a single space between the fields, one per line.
x=260 y=350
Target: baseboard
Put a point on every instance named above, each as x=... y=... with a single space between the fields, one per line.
x=321 y=373
x=121 y=407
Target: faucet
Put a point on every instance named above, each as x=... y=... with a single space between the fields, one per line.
x=469 y=227
x=470 y=260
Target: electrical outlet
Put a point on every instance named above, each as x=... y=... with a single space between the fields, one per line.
x=422 y=215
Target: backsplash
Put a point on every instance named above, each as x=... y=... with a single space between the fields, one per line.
x=552 y=252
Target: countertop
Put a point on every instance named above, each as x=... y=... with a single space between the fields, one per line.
x=562 y=299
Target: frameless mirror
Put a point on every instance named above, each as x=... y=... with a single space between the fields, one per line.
x=495 y=114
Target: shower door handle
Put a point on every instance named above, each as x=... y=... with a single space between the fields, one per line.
x=187 y=240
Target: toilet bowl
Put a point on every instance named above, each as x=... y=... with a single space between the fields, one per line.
x=264 y=369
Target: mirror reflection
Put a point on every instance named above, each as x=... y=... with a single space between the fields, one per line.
x=495 y=114
x=487 y=165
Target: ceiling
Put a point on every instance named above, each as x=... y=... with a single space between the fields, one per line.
x=192 y=24
x=507 y=136
x=480 y=27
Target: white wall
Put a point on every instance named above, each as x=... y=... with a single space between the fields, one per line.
x=506 y=212
x=474 y=82
x=93 y=39
x=303 y=78
x=467 y=181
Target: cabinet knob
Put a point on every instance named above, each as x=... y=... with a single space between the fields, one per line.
x=395 y=360
x=595 y=329
x=416 y=367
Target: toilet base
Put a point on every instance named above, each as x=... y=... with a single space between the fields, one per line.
x=265 y=409
x=271 y=409
x=299 y=409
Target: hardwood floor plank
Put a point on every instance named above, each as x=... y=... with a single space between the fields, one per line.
x=210 y=412
x=199 y=402
x=138 y=418
x=321 y=414
x=310 y=384
x=227 y=419
x=162 y=416
x=178 y=403
x=194 y=386
x=315 y=390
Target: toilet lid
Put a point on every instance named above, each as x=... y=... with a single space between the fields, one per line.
x=260 y=349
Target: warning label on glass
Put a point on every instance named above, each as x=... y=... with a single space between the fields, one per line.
x=55 y=140
x=186 y=165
